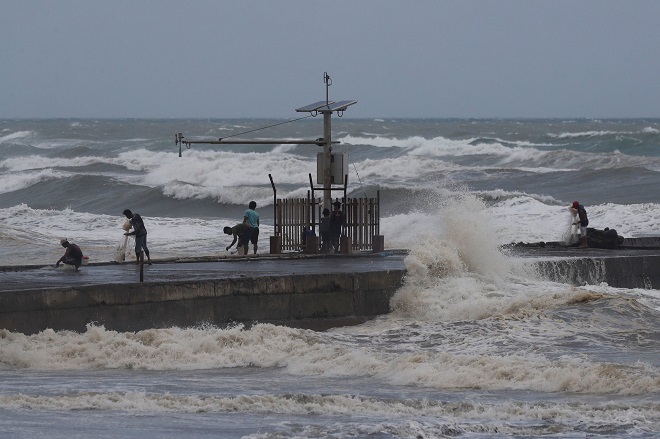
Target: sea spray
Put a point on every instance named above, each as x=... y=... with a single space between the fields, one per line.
x=459 y=271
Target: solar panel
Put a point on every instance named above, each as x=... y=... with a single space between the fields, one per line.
x=339 y=106
x=313 y=107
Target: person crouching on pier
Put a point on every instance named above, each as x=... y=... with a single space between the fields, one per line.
x=72 y=256
x=242 y=232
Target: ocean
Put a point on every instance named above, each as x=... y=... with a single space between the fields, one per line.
x=477 y=345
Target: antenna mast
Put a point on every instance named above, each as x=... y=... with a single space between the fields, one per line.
x=328 y=83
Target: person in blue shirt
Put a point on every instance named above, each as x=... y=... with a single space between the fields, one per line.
x=251 y=218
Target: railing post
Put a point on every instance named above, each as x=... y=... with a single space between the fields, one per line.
x=142 y=266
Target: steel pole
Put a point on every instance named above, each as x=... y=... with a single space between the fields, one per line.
x=327 y=160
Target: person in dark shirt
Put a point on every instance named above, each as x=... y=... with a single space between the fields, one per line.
x=72 y=256
x=140 y=232
x=242 y=232
x=336 y=221
x=583 y=222
x=324 y=230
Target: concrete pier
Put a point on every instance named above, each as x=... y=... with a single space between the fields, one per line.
x=312 y=292
x=315 y=292
x=636 y=264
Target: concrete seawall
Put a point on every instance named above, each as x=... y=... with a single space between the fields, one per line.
x=306 y=293
x=635 y=264
x=315 y=301
x=621 y=272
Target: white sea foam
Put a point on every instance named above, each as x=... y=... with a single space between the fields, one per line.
x=399 y=170
x=41 y=162
x=221 y=194
x=456 y=268
x=16 y=181
x=310 y=353
x=440 y=146
x=15 y=136
x=600 y=133
x=450 y=418
x=198 y=174
x=525 y=143
x=215 y=175
x=61 y=143
x=383 y=142
x=209 y=168
x=520 y=157
x=583 y=134
x=500 y=194
x=648 y=297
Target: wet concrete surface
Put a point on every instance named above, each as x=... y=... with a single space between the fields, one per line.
x=35 y=277
x=575 y=252
x=204 y=268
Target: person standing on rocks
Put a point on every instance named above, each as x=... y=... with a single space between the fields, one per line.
x=583 y=221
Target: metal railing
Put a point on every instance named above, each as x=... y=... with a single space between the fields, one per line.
x=294 y=217
x=362 y=221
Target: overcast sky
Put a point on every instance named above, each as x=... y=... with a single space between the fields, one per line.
x=412 y=58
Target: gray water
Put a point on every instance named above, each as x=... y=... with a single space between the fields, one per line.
x=478 y=344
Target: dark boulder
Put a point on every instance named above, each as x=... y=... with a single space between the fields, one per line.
x=607 y=238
